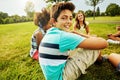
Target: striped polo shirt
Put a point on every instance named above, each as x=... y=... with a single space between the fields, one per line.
x=34 y=45
x=53 y=52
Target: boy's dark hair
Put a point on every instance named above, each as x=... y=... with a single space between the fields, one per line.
x=59 y=7
x=44 y=18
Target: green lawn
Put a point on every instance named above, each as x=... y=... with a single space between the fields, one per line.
x=16 y=64
x=105 y=18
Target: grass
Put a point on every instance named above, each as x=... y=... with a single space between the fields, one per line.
x=16 y=64
x=105 y=19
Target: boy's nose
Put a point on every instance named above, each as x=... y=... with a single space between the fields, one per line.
x=68 y=21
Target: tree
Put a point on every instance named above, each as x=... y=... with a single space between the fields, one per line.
x=113 y=9
x=89 y=13
x=98 y=11
x=93 y=3
x=29 y=9
x=52 y=1
x=103 y=14
x=3 y=15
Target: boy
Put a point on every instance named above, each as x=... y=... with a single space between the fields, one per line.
x=54 y=47
x=41 y=20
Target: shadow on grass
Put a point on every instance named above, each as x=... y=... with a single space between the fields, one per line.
x=104 y=71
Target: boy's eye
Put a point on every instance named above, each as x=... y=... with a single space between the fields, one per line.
x=63 y=18
x=71 y=18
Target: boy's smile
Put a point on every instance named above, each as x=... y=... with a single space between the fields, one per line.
x=64 y=20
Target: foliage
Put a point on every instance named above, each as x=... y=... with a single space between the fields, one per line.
x=5 y=18
x=49 y=5
x=3 y=15
x=93 y=3
x=52 y=1
x=103 y=14
x=113 y=9
x=29 y=9
x=89 y=13
x=98 y=11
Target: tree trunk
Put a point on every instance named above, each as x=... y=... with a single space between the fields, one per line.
x=94 y=13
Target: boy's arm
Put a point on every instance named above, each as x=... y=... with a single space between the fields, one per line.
x=91 y=42
x=94 y=43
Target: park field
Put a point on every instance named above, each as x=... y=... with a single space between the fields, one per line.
x=16 y=64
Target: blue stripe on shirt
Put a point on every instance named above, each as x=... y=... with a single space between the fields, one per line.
x=48 y=56
x=49 y=45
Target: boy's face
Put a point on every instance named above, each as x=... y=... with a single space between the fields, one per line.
x=64 y=20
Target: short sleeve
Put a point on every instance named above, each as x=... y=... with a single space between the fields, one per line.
x=69 y=41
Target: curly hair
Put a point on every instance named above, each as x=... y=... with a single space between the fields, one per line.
x=42 y=18
x=36 y=17
x=59 y=7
